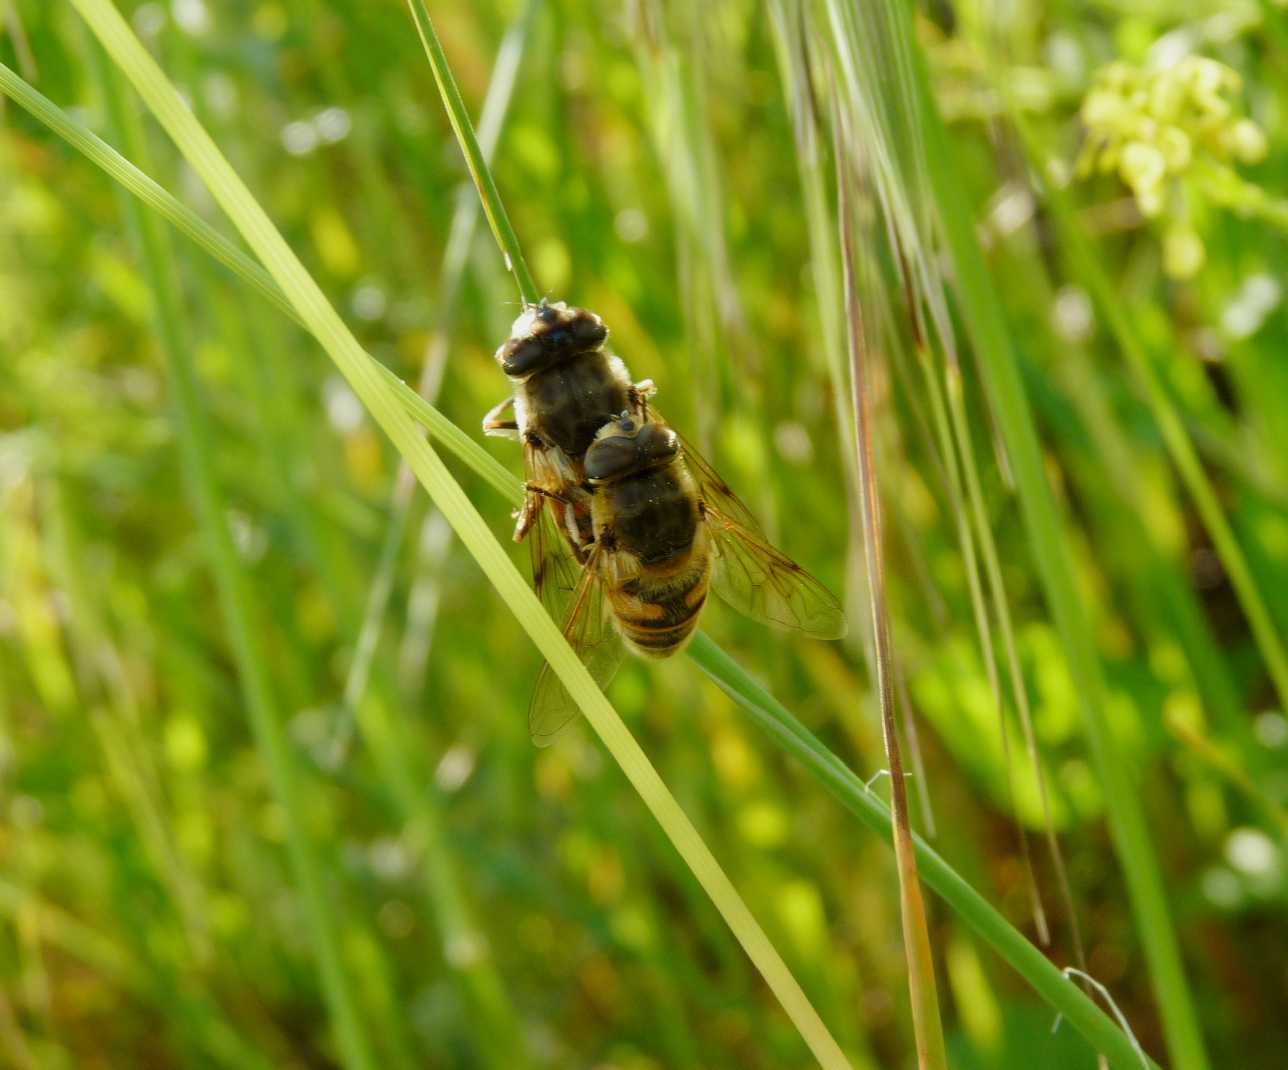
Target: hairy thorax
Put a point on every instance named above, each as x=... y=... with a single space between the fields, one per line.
x=567 y=404
x=654 y=516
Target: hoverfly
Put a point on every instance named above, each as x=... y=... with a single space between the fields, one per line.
x=665 y=530
x=566 y=387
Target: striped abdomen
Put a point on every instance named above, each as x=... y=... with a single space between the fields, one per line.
x=657 y=614
x=652 y=522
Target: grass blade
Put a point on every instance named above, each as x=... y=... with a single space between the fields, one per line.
x=992 y=345
x=241 y=614
x=927 y=1027
x=782 y=728
x=475 y=159
x=383 y=404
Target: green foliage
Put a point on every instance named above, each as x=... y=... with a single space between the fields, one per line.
x=496 y=905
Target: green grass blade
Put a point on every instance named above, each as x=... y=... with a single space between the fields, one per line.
x=385 y=407
x=972 y=908
x=927 y=1027
x=767 y=713
x=241 y=615
x=992 y=345
x=493 y=207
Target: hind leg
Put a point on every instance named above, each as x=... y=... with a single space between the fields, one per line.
x=534 y=501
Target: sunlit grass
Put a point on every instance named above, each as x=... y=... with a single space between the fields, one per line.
x=503 y=906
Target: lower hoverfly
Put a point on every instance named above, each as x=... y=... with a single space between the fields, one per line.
x=666 y=529
x=566 y=387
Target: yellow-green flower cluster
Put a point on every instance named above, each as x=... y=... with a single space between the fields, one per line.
x=1150 y=125
x=1155 y=127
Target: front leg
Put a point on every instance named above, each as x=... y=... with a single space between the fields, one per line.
x=498 y=424
x=639 y=396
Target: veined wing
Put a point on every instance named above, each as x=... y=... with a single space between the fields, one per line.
x=554 y=568
x=765 y=584
x=715 y=491
x=590 y=631
x=752 y=576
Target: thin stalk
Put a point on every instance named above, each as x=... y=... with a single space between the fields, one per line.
x=241 y=615
x=383 y=404
x=973 y=909
x=986 y=325
x=926 y=1025
x=1019 y=693
x=952 y=476
x=983 y=628
x=475 y=159
x=768 y=714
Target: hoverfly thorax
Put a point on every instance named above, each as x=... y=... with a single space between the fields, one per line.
x=546 y=335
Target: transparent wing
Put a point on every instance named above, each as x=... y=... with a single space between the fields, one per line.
x=590 y=631
x=752 y=576
x=554 y=568
x=766 y=585
x=715 y=491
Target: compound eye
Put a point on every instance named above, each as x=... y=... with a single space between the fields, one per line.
x=657 y=444
x=520 y=356
x=589 y=329
x=609 y=458
x=626 y=423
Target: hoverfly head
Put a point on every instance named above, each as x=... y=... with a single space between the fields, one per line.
x=547 y=334
x=625 y=447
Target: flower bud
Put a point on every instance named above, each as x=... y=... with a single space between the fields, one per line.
x=1246 y=141
x=1142 y=165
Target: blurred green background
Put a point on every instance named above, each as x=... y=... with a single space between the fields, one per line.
x=504 y=906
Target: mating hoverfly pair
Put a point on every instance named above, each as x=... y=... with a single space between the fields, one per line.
x=628 y=526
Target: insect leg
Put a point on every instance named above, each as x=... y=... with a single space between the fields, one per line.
x=533 y=502
x=528 y=514
x=639 y=396
x=498 y=424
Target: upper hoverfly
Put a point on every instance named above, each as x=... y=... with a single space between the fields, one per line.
x=665 y=529
x=566 y=387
